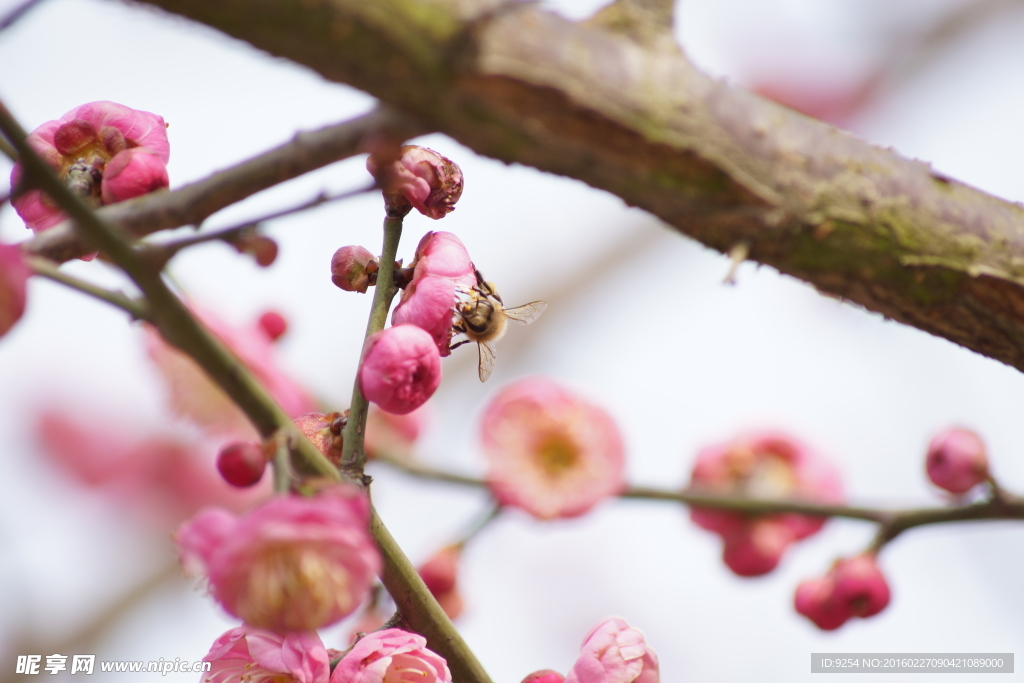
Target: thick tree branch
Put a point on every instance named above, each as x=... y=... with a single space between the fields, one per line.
x=520 y=84
x=194 y=203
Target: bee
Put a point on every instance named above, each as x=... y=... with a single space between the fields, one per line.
x=481 y=316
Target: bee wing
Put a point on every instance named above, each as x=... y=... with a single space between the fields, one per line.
x=487 y=360
x=526 y=313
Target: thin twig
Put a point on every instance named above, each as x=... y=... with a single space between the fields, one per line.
x=50 y=270
x=17 y=13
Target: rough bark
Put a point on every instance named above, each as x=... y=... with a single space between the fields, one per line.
x=628 y=113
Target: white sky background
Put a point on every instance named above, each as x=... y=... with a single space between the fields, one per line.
x=681 y=360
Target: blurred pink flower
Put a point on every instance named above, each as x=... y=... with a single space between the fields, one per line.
x=544 y=676
x=441 y=574
x=251 y=655
x=422 y=178
x=193 y=394
x=106 y=152
x=391 y=656
x=394 y=435
x=769 y=465
x=162 y=475
x=351 y=267
x=853 y=587
x=615 y=652
x=292 y=564
x=550 y=452
x=401 y=369
x=14 y=273
x=956 y=460
x=442 y=271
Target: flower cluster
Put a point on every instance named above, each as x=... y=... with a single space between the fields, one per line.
x=854 y=587
x=613 y=652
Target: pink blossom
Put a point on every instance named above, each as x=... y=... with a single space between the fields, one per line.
x=441 y=573
x=351 y=268
x=615 y=652
x=544 y=676
x=106 y=152
x=391 y=656
x=325 y=431
x=422 y=178
x=194 y=396
x=14 y=273
x=400 y=369
x=956 y=460
x=443 y=271
x=768 y=465
x=550 y=452
x=252 y=655
x=394 y=435
x=292 y=564
x=853 y=587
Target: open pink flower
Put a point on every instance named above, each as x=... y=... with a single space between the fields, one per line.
x=853 y=587
x=615 y=652
x=956 y=460
x=391 y=656
x=292 y=564
x=14 y=273
x=443 y=271
x=106 y=152
x=253 y=655
x=762 y=465
x=401 y=369
x=193 y=394
x=550 y=452
x=420 y=177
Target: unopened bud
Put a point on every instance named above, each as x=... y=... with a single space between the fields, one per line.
x=401 y=369
x=544 y=676
x=14 y=274
x=324 y=431
x=273 y=324
x=440 y=573
x=956 y=460
x=351 y=268
x=242 y=463
x=421 y=177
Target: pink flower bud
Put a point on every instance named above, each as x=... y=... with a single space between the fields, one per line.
x=550 y=452
x=615 y=652
x=421 y=177
x=262 y=248
x=325 y=431
x=274 y=324
x=401 y=369
x=250 y=654
x=14 y=273
x=351 y=268
x=853 y=587
x=441 y=573
x=391 y=656
x=292 y=564
x=956 y=460
x=394 y=435
x=133 y=173
x=444 y=255
x=544 y=676
x=242 y=463
x=768 y=465
x=87 y=148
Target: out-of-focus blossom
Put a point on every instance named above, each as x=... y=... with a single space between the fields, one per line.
x=325 y=431
x=273 y=325
x=242 y=463
x=250 y=655
x=550 y=452
x=394 y=435
x=442 y=272
x=262 y=248
x=769 y=465
x=441 y=574
x=194 y=396
x=391 y=656
x=420 y=178
x=853 y=587
x=105 y=152
x=615 y=652
x=351 y=268
x=14 y=273
x=401 y=369
x=163 y=476
x=292 y=564
x=544 y=676
x=956 y=460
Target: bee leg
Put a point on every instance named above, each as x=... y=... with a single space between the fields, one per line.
x=457 y=344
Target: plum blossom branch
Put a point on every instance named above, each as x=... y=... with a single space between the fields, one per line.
x=194 y=203
x=50 y=270
x=1000 y=506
